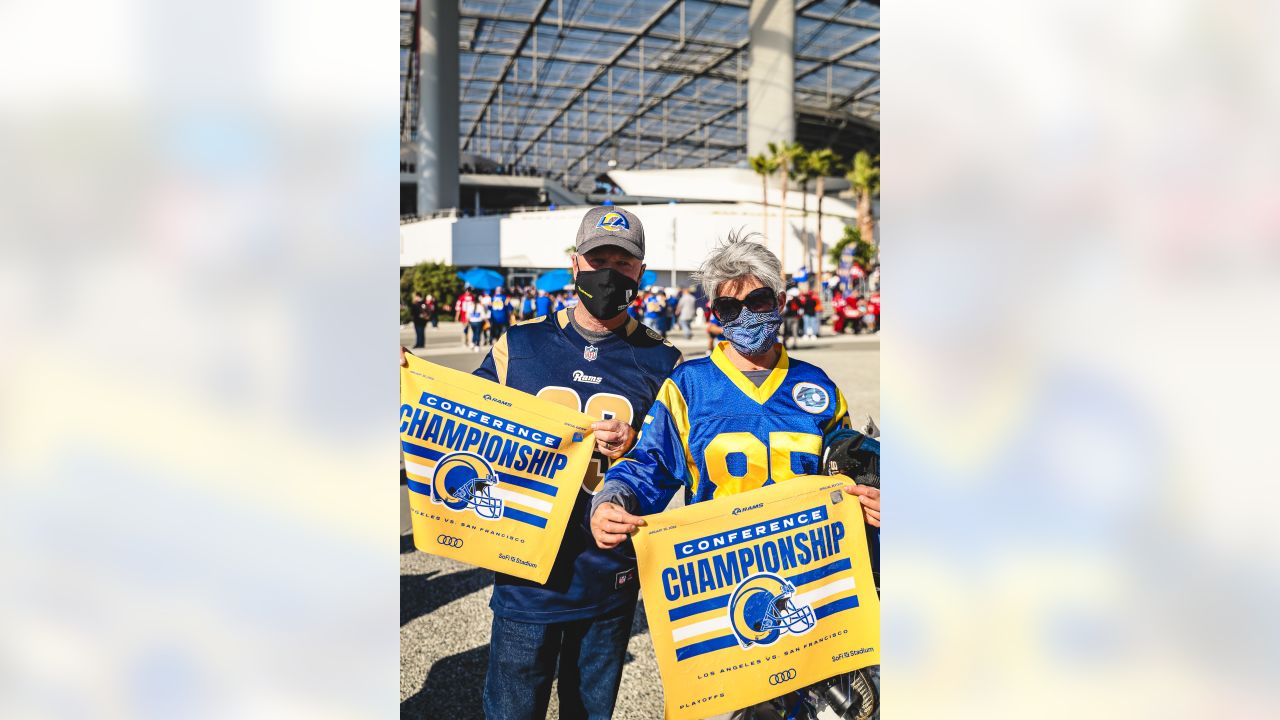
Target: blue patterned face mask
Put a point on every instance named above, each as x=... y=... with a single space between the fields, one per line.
x=752 y=333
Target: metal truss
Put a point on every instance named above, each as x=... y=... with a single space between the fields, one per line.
x=576 y=87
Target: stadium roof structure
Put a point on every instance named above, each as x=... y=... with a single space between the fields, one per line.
x=575 y=88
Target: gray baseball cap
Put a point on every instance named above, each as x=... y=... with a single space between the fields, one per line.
x=609 y=225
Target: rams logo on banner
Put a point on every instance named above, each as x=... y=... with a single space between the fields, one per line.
x=762 y=608
x=462 y=481
x=613 y=221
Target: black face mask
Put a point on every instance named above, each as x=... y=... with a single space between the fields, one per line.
x=605 y=293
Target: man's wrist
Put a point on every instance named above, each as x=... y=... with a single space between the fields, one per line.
x=617 y=493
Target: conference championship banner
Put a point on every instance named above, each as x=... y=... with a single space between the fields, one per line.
x=493 y=472
x=754 y=595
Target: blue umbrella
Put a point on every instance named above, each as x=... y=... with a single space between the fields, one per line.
x=648 y=279
x=553 y=280
x=482 y=278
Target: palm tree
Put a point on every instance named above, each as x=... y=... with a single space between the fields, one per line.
x=864 y=176
x=822 y=163
x=785 y=154
x=803 y=173
x=764 y=166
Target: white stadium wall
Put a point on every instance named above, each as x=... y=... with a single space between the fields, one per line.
x=539 y=239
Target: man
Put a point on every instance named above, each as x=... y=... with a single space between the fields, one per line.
x=654 y=304
x=812 y=314
x=595 y=359
x=499 y=314
x=542 y=306
x=686 y=307
x=463 y=309
x=526 y=305
x=433 y=311
x=418 y=314
x=792 y=315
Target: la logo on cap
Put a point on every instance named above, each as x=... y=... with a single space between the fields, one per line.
x=613 y=221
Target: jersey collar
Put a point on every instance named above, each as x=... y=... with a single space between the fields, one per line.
x=760 y=394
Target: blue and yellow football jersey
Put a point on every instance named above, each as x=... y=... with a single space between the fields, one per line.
x=614 y=378
x=712 y=432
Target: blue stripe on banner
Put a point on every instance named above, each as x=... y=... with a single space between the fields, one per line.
x=818 y=573
x=832 y=608
x=507 y=511
x=524 y=517
x=527 y=484
x=693 y=608
x=704 y=647
x=420 y=451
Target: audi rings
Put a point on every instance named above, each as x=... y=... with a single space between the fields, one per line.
x=785 y=675
x=449 y=541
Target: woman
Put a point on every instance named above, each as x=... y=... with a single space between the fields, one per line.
x=477 y=315
x=745 y=417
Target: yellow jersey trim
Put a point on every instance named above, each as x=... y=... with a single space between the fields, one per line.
x=760 y=394
x=499 y=353
x=842 y=411
x=671 y=397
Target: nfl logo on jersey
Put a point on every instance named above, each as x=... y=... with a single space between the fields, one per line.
x=590 y=352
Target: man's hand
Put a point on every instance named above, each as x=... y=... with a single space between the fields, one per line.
x=404 y=362
x=613 y=438
x=611 y=524
x=870 y=499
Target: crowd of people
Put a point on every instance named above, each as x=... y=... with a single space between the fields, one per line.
x=485 y=316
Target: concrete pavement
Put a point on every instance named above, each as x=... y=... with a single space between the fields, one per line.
x=444 y=610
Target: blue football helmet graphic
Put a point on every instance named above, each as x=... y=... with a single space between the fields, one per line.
x=761 y=609
x=462 y=480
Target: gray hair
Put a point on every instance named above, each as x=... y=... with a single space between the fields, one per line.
x=738 y=256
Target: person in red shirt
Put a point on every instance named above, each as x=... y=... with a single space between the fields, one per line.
x=873 y=312
x=460 y=310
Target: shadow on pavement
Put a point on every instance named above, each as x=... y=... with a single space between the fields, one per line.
x=421 y=594
x=453 y=688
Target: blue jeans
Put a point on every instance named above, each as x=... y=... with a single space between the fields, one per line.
x=523 y=658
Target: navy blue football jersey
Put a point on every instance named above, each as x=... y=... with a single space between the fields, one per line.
x=615 y=378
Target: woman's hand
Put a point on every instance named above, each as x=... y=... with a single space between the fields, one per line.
x=611 y=524
x=404 y=362
x=870 y=499
x=613 y=438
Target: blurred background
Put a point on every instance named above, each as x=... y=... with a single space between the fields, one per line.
x=197 y=299
x=518 y=115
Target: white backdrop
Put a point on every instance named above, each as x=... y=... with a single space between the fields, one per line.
x=679 y=235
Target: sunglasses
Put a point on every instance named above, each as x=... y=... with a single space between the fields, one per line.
x=760 y=300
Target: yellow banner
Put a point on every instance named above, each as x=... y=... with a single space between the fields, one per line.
x=754 y=595
x=493 y=472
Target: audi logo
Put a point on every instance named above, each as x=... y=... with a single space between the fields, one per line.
x=449 y=541
x=785 y=675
